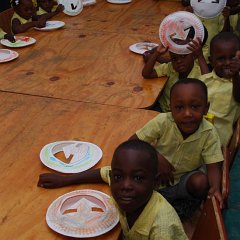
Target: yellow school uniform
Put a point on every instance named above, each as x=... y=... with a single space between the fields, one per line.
x=42 y=11
x=22 y=20
x=157 y=221
x=186 y=155
x=213 y=26
x=222 y=104
x=166 y=69
x=2 y=33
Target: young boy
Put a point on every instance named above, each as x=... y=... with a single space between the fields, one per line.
x=185 y=141
x=181 y=66
x=144 y=213
x=224 y=83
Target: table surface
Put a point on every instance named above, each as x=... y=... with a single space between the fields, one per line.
x=89 y=59
x=27 y=124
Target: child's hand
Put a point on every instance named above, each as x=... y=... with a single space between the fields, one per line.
x=216 y=193
x=195 y=47
x=161 y=49
x=9 y=37
x=189 y=9
x=226 y=12
x=41 y=22
x=59 y=8
x=165 y=171
x=51 y=180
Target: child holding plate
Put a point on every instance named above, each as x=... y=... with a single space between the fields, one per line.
x=24 y=11
x=143 y=212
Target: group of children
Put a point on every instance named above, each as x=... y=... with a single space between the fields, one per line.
x=29 y=14
x=174 y=161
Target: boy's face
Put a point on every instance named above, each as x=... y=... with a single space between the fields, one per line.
x=188 y=105
x=25 y=9
x=222 y=56
x=46 y=5
x=182 y=63
x=132 y=180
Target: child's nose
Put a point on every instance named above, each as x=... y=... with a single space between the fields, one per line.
x=127 y=184
x=188 y=112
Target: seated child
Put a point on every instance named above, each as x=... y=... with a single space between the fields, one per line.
x=181 y=66
x=22 y=17
x=185 y=141
x=224 y=83
x=7 y=36
x=48 y=8
x=143 y=212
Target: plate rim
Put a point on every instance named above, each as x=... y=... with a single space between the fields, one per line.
x=11 y=59
x=49 y=146
x=71 y=194
x=45 y=29
x=119 y=2
x=138 y=52
x=9 y=45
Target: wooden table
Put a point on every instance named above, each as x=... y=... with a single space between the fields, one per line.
x=27 y=124
x=89 y=59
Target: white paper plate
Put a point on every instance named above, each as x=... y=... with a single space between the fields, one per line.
x=83 y=155
x=177 y=26
x=51 y=25
x=21 y=41
x=119 y=1
x=142 y=47
x=71 y=7
x=208 y=8
x=7 y=55
x=82 y=214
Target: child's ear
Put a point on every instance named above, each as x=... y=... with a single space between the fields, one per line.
x=207 y=108
x=157 y=182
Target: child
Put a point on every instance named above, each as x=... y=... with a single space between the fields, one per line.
x=144 y=213
x=7 y=36
x=224 y=83
x=181 y=66
x=48 y=8
x=185 y=141
x=22 y=17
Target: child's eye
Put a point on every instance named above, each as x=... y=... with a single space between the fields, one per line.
x=178 y=107
x=195 y=106
x=138 y=178
x=117 y=177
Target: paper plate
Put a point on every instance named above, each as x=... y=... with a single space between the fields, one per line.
x=142 y=47
x=81 y=156
x=7 y=55
x=71 y=7
x=119 y=1
x=208 y=8
x=82 y=214
x=51 y=25
x=175 y=29
x=21 y=41
x=88 y=2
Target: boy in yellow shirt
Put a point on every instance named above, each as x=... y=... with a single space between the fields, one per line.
x=224 y=83
x=180 y=66
x=144 y=214
x=185 y=141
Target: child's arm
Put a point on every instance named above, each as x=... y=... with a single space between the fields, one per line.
x=235 y=68
x=54 y=180
x=17 y=27
x=148 y=70
x=165 y=168
x=214 y=177
x=9 y=37
x=226 y=25
x=196 y=48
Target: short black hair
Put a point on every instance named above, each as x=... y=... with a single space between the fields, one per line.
x=224 y=37
x=136 y=144
x=191 y=81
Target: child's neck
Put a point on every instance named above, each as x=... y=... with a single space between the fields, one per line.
x=183 y=75
x=133 y=216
